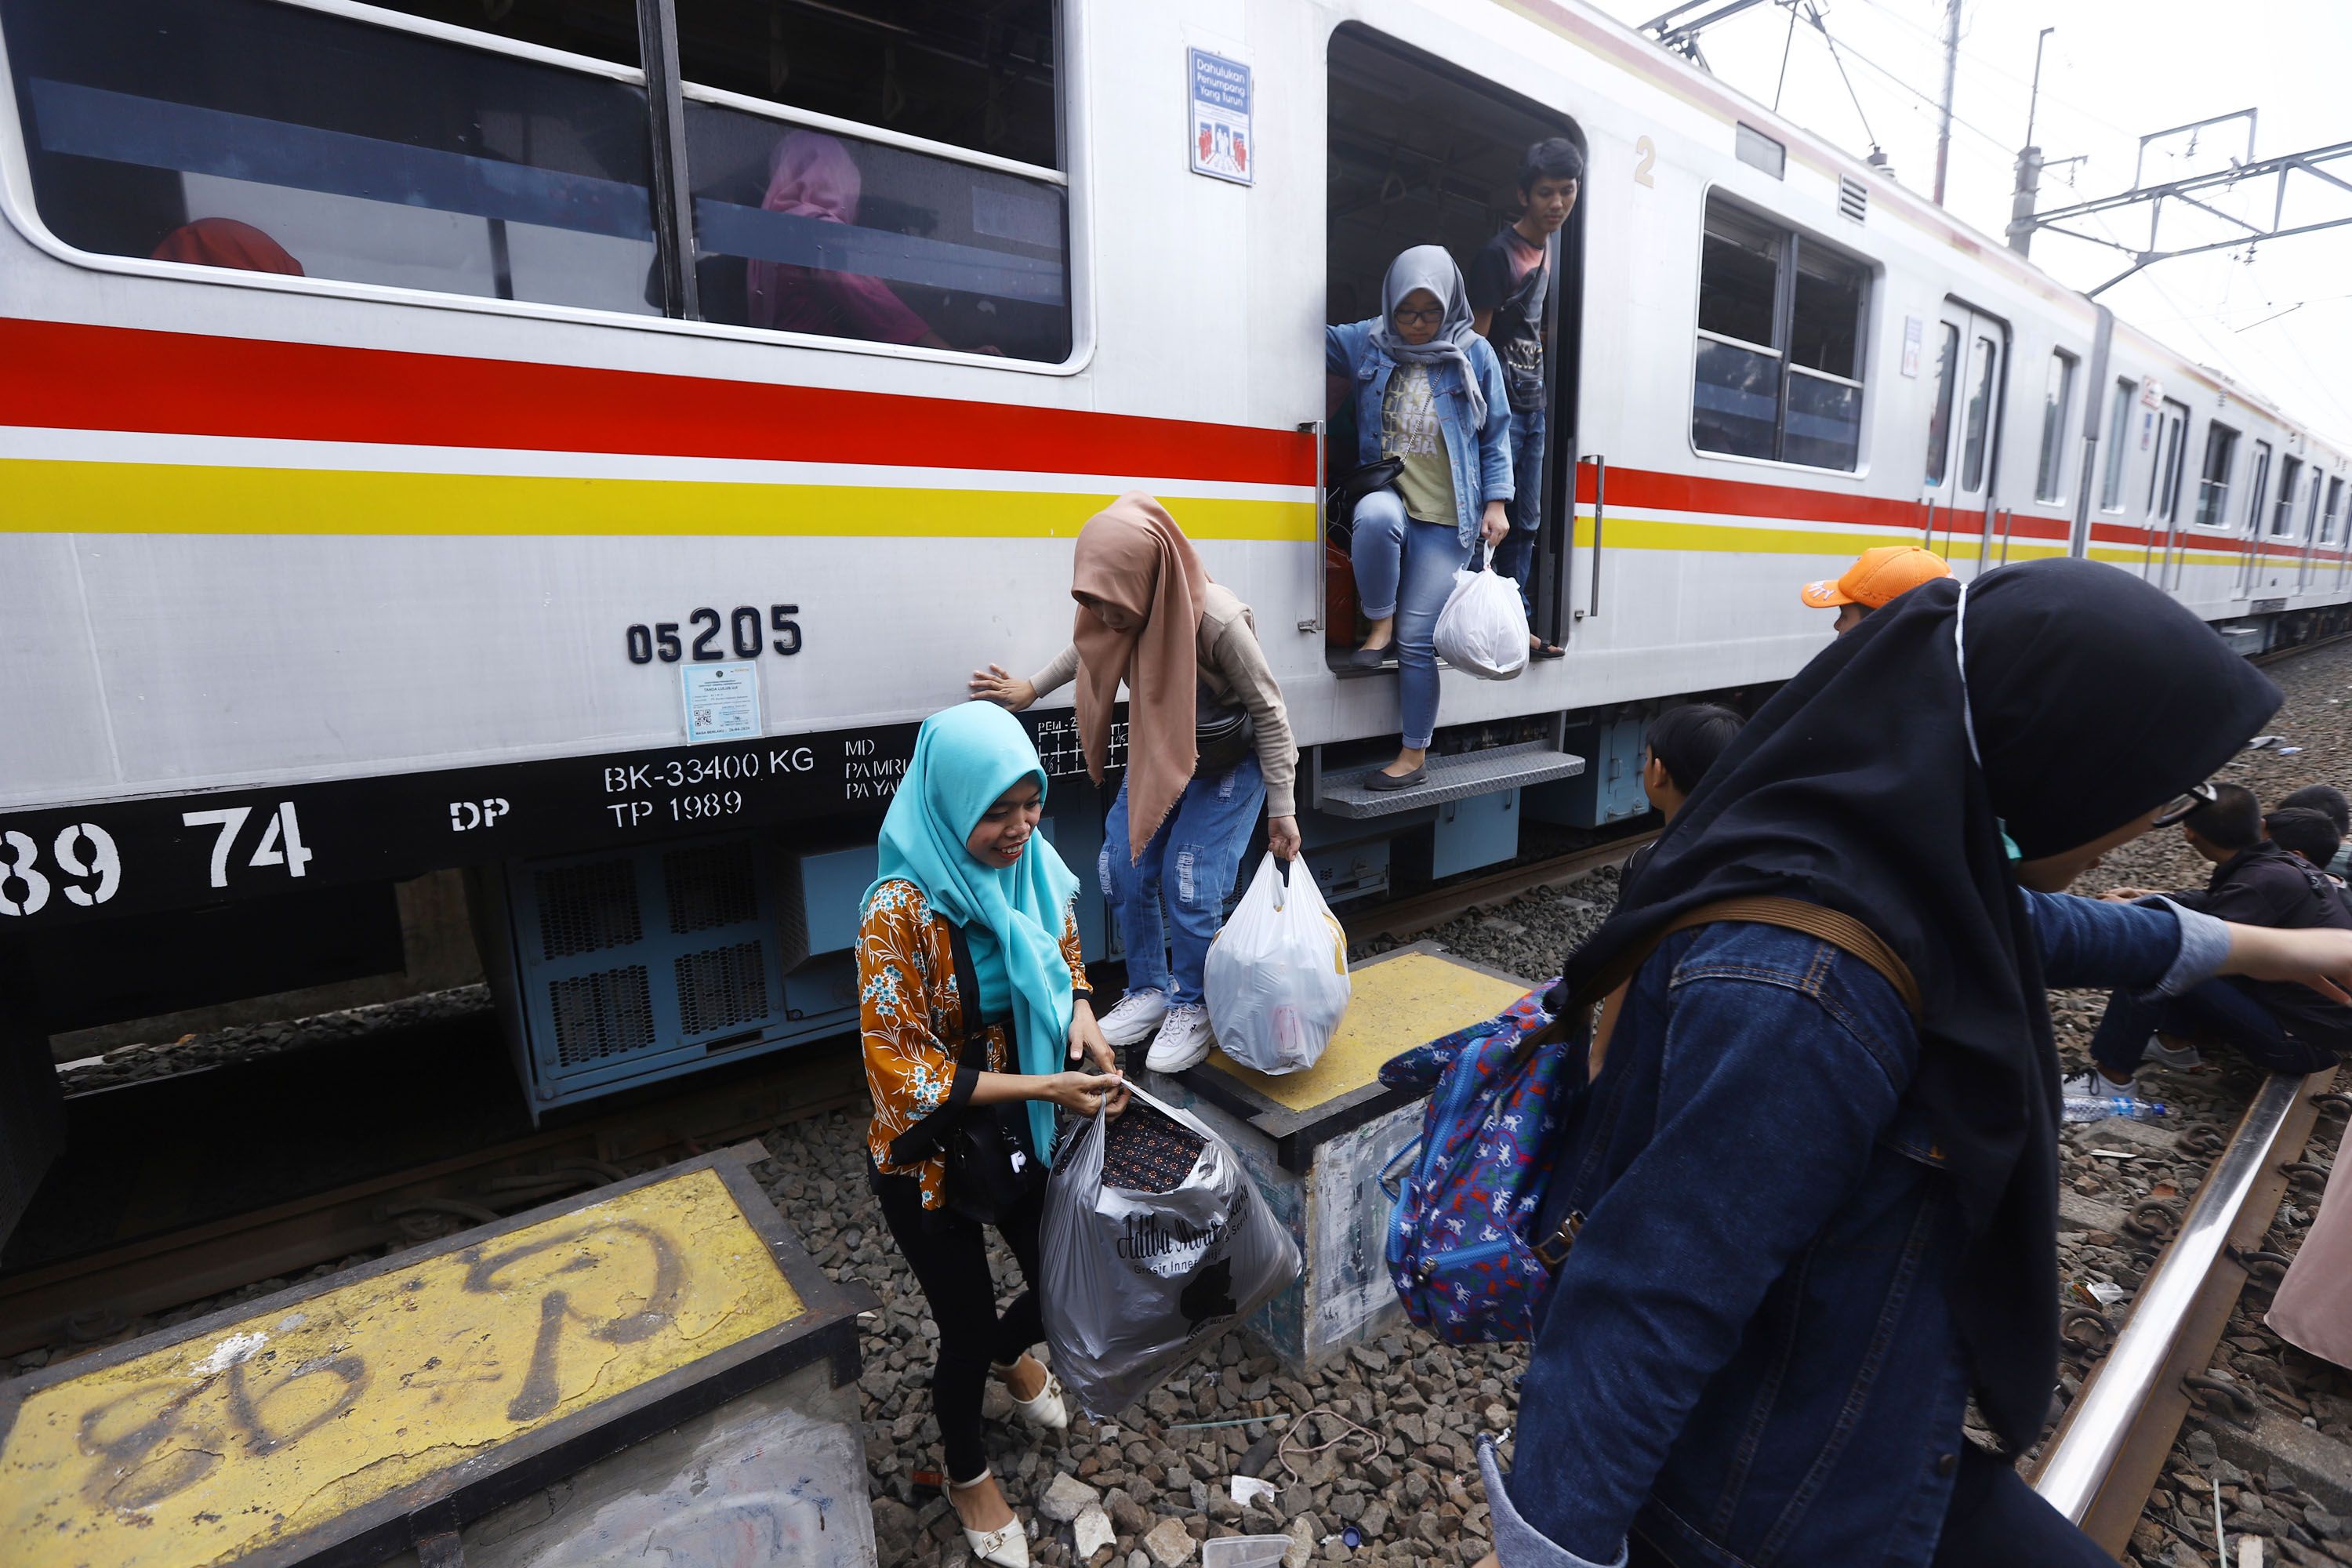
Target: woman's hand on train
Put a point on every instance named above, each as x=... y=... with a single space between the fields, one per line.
x=994 y=685
x=2316 y=956
x=1282 y=837
x=1495 y=526
x=1083 y=1092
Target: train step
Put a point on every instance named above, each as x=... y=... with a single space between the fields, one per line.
x=1342 y=793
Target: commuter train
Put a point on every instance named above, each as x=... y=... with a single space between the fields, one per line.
x=563 y=449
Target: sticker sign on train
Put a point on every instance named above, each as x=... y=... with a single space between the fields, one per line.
x=1223 y=145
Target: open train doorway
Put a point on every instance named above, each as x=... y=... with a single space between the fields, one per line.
x=1423 y=152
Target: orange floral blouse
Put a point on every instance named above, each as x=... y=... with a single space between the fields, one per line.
x=912 y=1018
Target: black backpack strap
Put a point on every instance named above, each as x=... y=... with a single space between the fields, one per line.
x=923 y=1139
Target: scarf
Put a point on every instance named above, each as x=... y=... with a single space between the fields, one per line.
x=1432 y=266
x=1133 y=555
x=1873 y=784
x=965 y=757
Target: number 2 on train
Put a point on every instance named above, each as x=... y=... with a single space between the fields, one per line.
x=81 y=850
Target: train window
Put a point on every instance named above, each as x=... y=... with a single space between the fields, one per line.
x=804 y=230
x=604 y=29
x=1779 y=357
x=2111 y=481
x=266 y=137
x=2311 y=511
x=2283 y=516
x=975 y=76
x=2257 y=483
x=2164 y=479
x=2213 y=484
x=1939 y=420
x=1983 y=356
x=2057 y=398
x=2334 y=505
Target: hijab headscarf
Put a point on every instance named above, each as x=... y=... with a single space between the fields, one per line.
x=225 y=242
x=965 y=757
x=2092 y=697
x=1432 y=266
x=1132 y=554
x=812 y=175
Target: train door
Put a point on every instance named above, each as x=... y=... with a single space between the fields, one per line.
x=1964 y=426
x=2164 y=491
x=1421 y=152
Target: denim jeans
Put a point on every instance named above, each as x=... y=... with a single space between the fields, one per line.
x=1516 y=556
x=1404 y=567
x=1189 y=866
x=2218 y=1012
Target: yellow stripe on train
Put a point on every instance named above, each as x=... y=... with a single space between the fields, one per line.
x=55 y=497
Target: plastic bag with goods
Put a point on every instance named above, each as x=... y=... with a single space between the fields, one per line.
x=1484 y=627
x=1155 y=1240
x=1276 y=975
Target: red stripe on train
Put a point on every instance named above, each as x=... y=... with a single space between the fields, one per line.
x=112 y=378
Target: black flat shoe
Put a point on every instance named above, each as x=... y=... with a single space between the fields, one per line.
x=1379 y=780
x=1548 y=650
x=1370 y=657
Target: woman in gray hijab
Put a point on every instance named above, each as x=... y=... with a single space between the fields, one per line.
x=1429 y=391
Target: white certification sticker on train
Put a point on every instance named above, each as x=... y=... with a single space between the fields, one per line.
x=1223 y=143
x=722 y=701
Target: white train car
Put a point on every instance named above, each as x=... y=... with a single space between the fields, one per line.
x=577 y=442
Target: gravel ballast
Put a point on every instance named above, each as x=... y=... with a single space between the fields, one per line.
x=1381 y=1443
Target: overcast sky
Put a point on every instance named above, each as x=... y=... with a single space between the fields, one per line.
x=2110 y=74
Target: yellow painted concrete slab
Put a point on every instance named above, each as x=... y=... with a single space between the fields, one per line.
x=1395 y=1005
x=204 y=1451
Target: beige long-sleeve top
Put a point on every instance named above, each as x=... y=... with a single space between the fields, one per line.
x=1234 y=667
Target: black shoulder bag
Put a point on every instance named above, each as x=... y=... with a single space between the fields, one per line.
x=991 y=1169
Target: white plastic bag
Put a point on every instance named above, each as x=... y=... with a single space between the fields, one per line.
x=1135 y=1282
x=1484 y=627
x=1276 y=975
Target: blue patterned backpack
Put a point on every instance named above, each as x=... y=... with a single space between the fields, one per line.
x=1457 y=1248
x=1467 y=1191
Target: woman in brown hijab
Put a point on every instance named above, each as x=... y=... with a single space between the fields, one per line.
x=1187 y=650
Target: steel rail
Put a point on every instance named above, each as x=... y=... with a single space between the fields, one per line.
x=2104 y=1417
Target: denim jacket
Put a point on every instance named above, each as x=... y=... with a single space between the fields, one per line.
x=1480 y=457
x=1749 y=1354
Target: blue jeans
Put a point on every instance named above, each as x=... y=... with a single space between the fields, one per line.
x=2217 y=1012
x=1516 y=556
x=1207 y=832
x=1404 y=567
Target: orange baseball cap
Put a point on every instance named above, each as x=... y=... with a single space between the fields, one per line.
x=1881 y=575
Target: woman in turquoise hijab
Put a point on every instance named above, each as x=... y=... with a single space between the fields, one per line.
x=963 y=864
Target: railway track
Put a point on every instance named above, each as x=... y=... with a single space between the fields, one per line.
x=2109 y=1450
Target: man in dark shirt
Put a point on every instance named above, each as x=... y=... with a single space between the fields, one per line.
x=1677 y=749
x=2279 y=1026
x=1509 y=284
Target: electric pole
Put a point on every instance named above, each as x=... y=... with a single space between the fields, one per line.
x=1951 y=70
x=2029 y=164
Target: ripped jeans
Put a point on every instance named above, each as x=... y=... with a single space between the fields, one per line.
x=1189 y=866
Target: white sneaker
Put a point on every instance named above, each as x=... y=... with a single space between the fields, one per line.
x=2179 y=1058
x=1184 y=1039
x=1135 y=1018
x=2092 y=1082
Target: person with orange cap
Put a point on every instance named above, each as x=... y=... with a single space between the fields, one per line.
x=1878 y=578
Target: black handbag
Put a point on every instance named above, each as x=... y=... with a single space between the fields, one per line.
x=1358 y=482
x=1221 y=735
x=992 y=1171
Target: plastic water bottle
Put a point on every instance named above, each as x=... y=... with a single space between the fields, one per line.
x=2099 y=1107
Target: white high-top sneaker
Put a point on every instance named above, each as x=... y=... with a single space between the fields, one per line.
x=1184 y=1039
x=1135 y=1018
